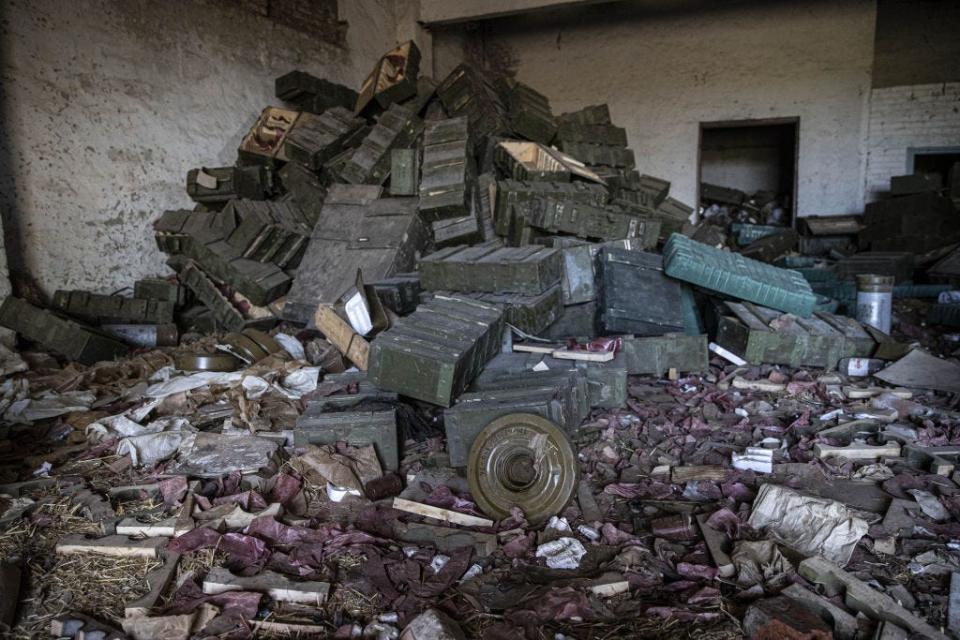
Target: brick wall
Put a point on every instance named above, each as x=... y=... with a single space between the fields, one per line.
x=923 y=115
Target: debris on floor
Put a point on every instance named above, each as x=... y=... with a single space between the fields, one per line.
x=434 y=362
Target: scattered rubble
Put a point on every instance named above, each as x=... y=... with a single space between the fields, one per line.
x=480 y=402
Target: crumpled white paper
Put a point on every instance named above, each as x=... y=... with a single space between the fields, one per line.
x=48 y=405
x=810 y=526
x=190 y=382
x=300 y=382
x=254 y=387
x=294 y=385
x=562 y=553
x=145 y=444
x=291 y=345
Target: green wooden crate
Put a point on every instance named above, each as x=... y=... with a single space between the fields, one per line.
x=761 y=335
x=448 y=173
x=221 y=184
x=656 y=355
x=554 y=215
x=600 y=154
x=946 y=314
x=635 y=296
x=560 y=397
x=369 y=163
x=70 y=339
x=527 y=270
x=315 y=139
x=404 y=172
x=103 y=309
x=357 y=427
x=593 y=114
x=529 y=114
x=435 y=352
x=738 y=277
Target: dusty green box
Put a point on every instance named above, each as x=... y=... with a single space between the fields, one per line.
x=220 y=184
x=314 y=139
x=737 y=276
x=446 y=185
x=67 y=338
x=356 y=421
x=635 y=296
x=224 y=313
x=658 y=354
x=561 y=397
x=761 y=335
x=404 y=172
x=397 y=127
x=527 y=270
x=556 y=215
x=435 y=352
x=104 y=309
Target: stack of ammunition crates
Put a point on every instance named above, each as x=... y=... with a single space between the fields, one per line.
x=434 y=353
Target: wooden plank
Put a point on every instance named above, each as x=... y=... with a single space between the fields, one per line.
x=342 y=336
x=287 y=629
x=747 y=316
x=175 y=627
x=716 y=542
x=861 y=597
x=532 y=348
x=693 y=473
x=437 y=513
x=158 y=579
x=132 y=527
x=583 y=356
x=858 y=451
x=275 y=585
x=116 y=546
x=758 y=385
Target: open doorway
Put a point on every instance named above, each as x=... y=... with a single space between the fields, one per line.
x=938 y=160
x=748 y=170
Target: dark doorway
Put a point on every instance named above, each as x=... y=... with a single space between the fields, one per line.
x=933 y=160
x=752 y=156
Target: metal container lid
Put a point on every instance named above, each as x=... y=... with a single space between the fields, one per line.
x=522 y=460
x=875 y=282
x=206 y=362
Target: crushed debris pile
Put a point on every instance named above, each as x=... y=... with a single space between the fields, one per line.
x=438 y=363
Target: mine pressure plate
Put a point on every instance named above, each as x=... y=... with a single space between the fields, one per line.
x=522 y=460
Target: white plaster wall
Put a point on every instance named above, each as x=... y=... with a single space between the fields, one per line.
x=664 y=73
x=107 y=104
x=925 y=115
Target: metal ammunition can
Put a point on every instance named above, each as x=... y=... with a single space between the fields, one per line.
x=875 y=300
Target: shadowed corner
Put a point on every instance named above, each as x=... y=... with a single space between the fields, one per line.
x=14 y=275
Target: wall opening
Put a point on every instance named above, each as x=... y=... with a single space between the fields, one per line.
x=937 y=160
x=756 y=157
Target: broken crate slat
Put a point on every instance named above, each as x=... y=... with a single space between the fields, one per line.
x=858 y=451
x=158 y=579
x=342 y=335
x=115 y=546
x=277 y=586
x=445 y=515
